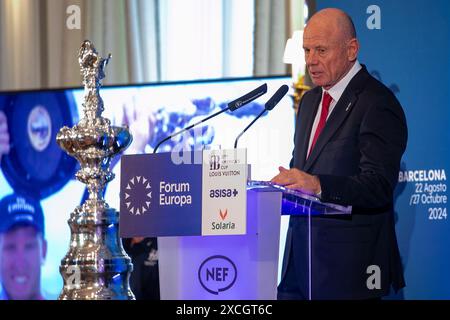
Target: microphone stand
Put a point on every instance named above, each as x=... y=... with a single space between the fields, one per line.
x=234 y=105
x=246 y=128
x=189 y=128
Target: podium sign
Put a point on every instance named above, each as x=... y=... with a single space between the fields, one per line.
x=224 y=192
x=163 y=196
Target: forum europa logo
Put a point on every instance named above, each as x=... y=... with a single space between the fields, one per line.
x=138 y=195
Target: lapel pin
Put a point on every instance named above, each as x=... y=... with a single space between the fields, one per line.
x=348 y=107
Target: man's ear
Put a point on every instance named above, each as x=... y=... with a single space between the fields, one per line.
x=352 y=49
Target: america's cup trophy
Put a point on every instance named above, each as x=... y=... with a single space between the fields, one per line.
x=96 y=266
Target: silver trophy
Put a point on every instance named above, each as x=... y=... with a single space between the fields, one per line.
x=96 y=266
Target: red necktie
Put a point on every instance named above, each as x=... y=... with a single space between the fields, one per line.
x=326 y=101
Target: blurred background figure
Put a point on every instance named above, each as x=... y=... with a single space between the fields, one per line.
x=144 y=280
x=23 y=248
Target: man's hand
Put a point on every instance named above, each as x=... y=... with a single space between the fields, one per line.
x=296 y=179
x=4 y=135
x=141 y=124
x=136 y=240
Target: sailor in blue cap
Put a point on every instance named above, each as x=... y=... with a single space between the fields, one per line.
x=22 y=248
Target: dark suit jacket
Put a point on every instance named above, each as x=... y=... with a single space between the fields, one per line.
x=357 y=159
x=144 y=280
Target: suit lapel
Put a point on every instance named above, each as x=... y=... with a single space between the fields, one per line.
x=307 y=121
x=336 y=119
x=338 y=116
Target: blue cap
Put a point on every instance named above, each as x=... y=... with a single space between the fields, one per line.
x=18 y=209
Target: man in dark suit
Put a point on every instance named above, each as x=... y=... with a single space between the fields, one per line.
x=350 y=136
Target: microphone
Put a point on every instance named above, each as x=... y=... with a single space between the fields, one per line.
x=273 y=101
x=247 y=98
x=232 y=106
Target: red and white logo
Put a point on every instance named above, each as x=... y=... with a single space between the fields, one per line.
x=223 y=215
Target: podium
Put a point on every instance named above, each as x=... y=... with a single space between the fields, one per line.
x=238 y=267
x=229 y=266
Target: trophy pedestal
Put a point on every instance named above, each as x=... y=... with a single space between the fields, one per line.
x=96 y=266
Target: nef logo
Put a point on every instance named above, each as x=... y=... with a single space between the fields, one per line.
x=217 y=274
x=214 y=162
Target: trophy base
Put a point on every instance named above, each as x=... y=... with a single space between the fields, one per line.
x=96 y=266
